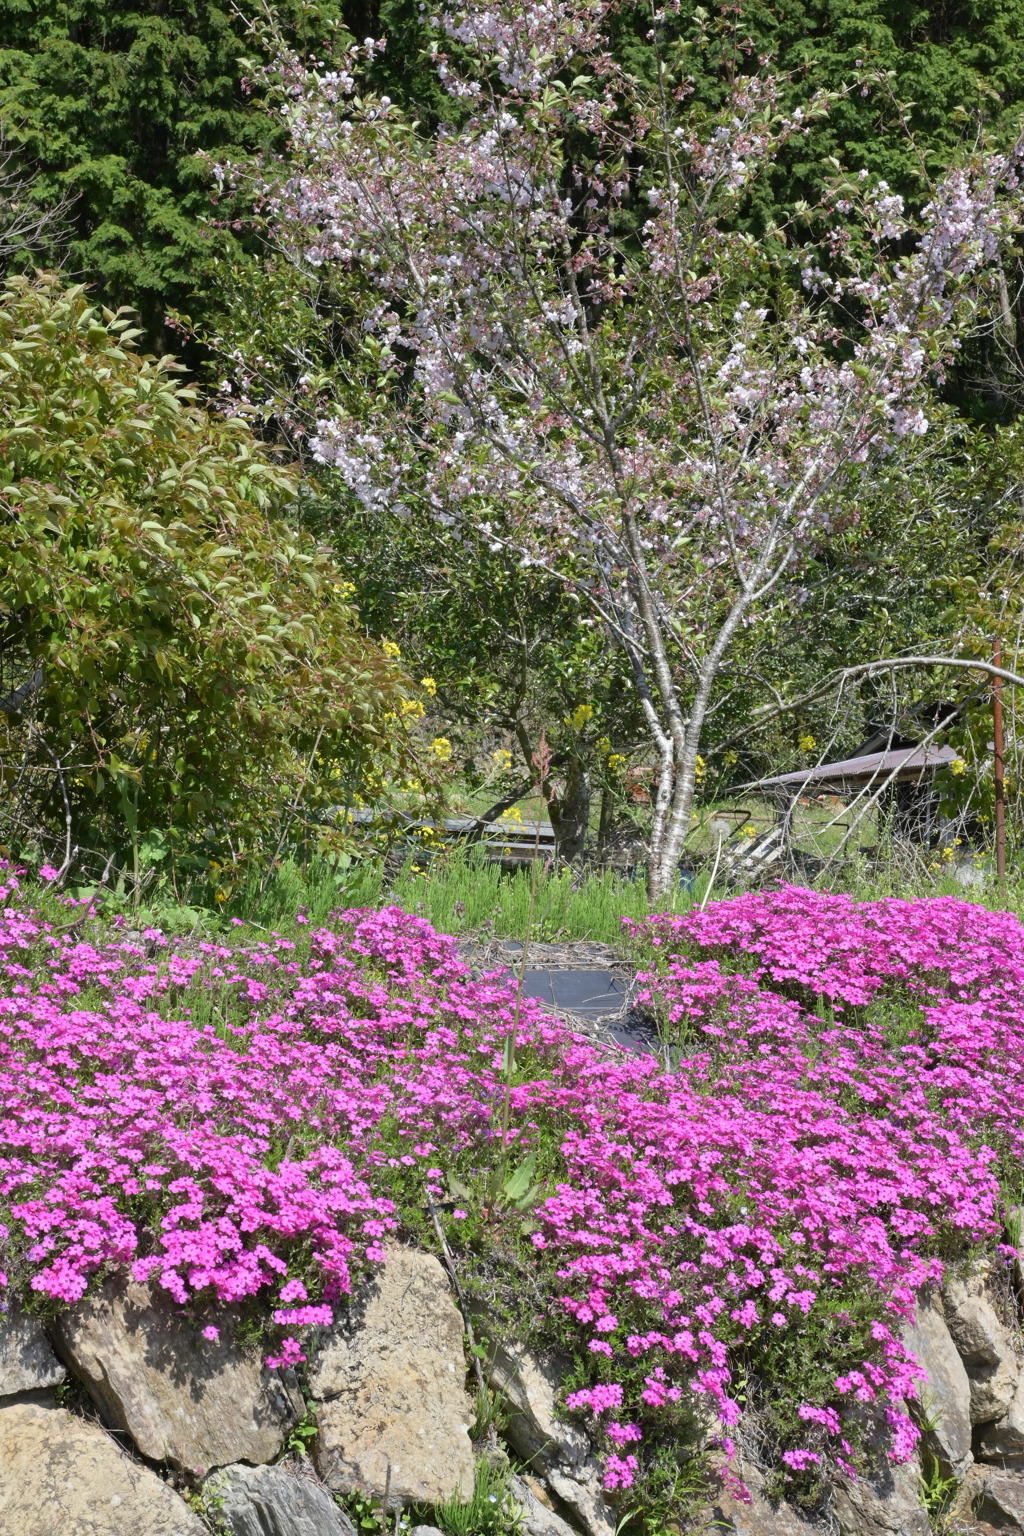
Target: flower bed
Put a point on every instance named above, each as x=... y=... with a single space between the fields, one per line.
x=249 y=1123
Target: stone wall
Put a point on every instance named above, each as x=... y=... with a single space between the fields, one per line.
x=174 y=1433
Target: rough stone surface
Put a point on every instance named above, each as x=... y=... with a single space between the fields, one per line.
x=888 y=1504
x=945 y=1400
x=62 y=1477
x=581 y=1489
x=549 y=1445
x=759 y=1517
x=183 y=1399
x=984 y=1346
x=1003 y=1442
x=27 y=1363
x=537 y=1518
x=273 y=1501
x=391 y=1381
x=425 y=1530
x=989 y=1501
x=528 y=1388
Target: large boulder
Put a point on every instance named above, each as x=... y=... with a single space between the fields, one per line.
x=1003 y=1441
x=943 y=1407
x=285 y=1500
x=184 y=1399
x=390 y=1380
x=984 y=1345
x=60 y=1476
x=27 y=1363
x=885 y=1504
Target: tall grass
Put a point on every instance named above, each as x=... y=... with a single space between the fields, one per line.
x=458 y=892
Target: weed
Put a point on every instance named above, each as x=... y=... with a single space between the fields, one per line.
x=490 y=1512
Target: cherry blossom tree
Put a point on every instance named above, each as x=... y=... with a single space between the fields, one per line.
x=562 y=338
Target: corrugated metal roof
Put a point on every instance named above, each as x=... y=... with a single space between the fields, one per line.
x=906 y=762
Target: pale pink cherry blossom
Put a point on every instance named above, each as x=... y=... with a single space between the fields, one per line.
x=613 y=399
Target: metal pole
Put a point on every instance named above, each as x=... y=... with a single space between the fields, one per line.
x=997 y=767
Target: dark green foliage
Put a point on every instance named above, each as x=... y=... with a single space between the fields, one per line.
x=117 y=102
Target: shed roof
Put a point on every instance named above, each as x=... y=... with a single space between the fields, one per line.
x=907 y=763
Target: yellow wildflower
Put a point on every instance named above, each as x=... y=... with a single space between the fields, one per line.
x=429 y=684
x=413 y=707
x=729 y=759
x=700 y=769
x=806 y=742
x=391 y=649
x=442 y=749
x=579 y=717
x=958 y=765
x=616 y=763
x=503 y=759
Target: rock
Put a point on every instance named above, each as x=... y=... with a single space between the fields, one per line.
x=994 y=1498
x=945 y=1400
x=759 y=1517
x=1002 y=1501
x=582 y=1490
x=528 y=1388
x=27 y=1363
x=1003 y=1441
x=273 y=1501
x=550 y=1445
x=888 y=1504
x=392 y=1375
x=984 y=1346
x=183 y=1399
x=425 y=1530
x=61 y=1475
x=537 y=1518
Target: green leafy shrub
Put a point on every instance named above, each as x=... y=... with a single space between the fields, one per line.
x=181 y=665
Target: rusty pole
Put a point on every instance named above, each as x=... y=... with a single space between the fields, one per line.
x=997 y=764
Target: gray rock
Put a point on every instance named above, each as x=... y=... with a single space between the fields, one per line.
x=888 y=1504
x=273 y=1501
x=537 y=1518
x=944 y=1402
x=550 y=1445
x=393 y=1376
x=759 y=1517
x=581 y=1489
x=183 y=1399
x=1003 y=1441
x=996 y=1498
x=1002 y=1501
x=425 y=1530
x=27 y=1363
x=60 y=1476
x=984 y=1345
x=529 y=1388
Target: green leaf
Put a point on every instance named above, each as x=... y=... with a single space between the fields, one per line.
x=518 y=1183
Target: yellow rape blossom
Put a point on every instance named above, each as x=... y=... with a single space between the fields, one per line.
x=502 y=759
x=442 y=749
x=616 y=763
x=806 y=742
x=429 y=684
x=579 y=717
x=958 y=765
x=391 y=649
